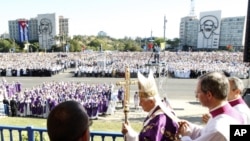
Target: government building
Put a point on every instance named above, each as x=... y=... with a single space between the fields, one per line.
x=45 y=28
x=212 y=32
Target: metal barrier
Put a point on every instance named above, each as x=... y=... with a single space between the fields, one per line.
x=29 y=133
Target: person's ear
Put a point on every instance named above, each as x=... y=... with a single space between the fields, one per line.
x=85 y=136
x=152 y=102
x=209 y=95
x=237 y=91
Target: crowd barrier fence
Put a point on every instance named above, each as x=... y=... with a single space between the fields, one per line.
x=29 y=133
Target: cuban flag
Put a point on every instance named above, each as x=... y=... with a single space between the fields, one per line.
x=23 y=30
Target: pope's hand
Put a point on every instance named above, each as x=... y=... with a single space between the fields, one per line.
x=125 y=128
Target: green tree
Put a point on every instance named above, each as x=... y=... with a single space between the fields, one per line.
x=174 y=43
x=34 y=47
x=78 y=37
x=75 y=46
x=95 y=43
x=131 y=46
x=158 y=41
x=7 y=44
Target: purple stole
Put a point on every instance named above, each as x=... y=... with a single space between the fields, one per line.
x=157 y=108
x=228 y=110
x=159 y=128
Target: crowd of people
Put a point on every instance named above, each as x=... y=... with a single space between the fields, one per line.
x=32 y=64
x=175 y=64
x=222 y=95
x=39 y=101
x=112 y=64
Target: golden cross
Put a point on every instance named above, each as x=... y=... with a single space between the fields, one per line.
x=127 y=84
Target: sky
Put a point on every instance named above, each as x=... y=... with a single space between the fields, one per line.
x=119 y=18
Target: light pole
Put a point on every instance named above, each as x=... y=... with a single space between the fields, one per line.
x=164 y=27
x=62 y=39
x=13 y=45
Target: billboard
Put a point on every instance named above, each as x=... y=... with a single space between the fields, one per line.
x=209 y=30
x=46 y=30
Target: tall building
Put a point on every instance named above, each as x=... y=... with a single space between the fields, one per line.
x=63 y=31
x=23 y=30
x=18 y=30
x=48 y=28
x=211 y=31
x=44 y=28
x=63 y=26
x=188 y=31
x=232 y=31
x=33 y=29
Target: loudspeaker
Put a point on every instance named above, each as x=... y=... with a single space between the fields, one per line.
x=246 y=56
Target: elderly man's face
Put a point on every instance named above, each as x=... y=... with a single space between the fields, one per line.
x=45 y=26
x=208 y=26
x=146 y=104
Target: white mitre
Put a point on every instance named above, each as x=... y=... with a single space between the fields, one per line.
x=147 y=86
x=148 y=89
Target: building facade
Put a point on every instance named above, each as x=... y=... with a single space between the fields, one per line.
x=48 y=28
x=188 y=31
x=211 y=31
x=33 y=29
x=18 y=30
x=232 y=32
x=44 y=28
x=63 y=26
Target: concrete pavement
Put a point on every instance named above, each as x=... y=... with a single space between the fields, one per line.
x=184 y=109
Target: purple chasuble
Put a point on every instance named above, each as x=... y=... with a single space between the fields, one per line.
x=159 y=128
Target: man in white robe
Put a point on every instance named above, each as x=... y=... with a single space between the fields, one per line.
x=235 y=98
x=212 y=90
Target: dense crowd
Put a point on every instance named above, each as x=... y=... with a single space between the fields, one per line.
x=97 y=98
x=112 y=64
x=39 y=101
x=176 y=64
